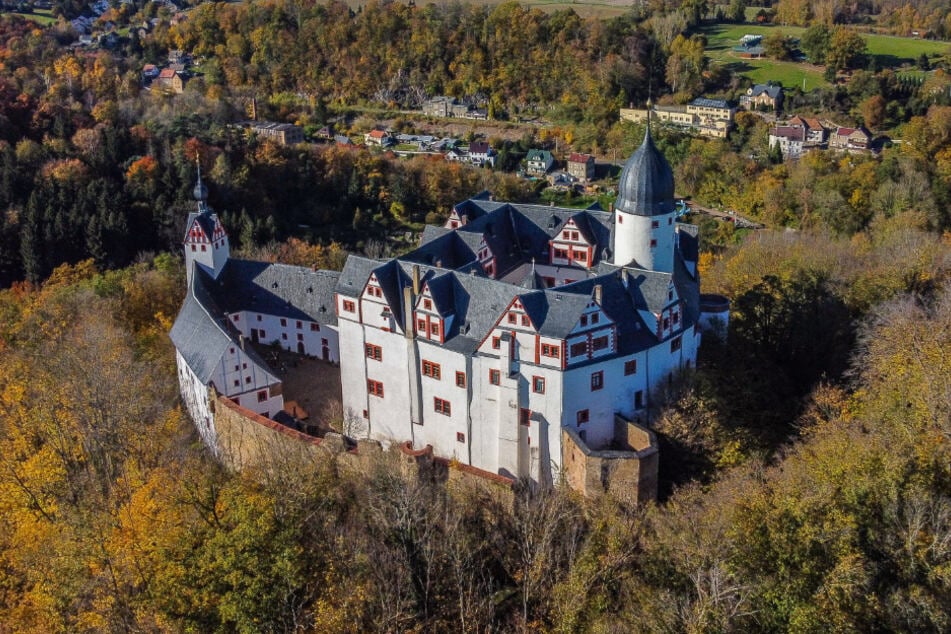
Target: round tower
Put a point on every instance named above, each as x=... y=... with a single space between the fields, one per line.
x=644 y=212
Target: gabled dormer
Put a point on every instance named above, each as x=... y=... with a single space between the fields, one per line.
x=375 y=307
x=486 y=257
x=433 y=310
x=571 y=246
x=670 y=319
x=516 y=317
x=594 y=334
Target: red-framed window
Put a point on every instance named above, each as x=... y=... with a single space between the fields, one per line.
x=538 y=384
x=583 y=416
x=315 y=327
x=630 y=367
x=512 y=317
x=283 y=322
x=262 y=396
x=526 y=321
x=432 y=370
x=460 y=379
x=300 y=325
x=374 y=352
x=599 y=343
x=496 y=343
x=442 y=406
x=460 y=437
x=551 y=350
x=427 y=304
x=495 y=377
x=349 y=306
x=597 y=380
x=434 y=328
x=579 y=349
x=375 y=388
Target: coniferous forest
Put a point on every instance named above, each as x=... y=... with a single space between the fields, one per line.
x=806 y=463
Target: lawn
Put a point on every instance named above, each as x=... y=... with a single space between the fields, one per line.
x=42 y=17
x=890 y=51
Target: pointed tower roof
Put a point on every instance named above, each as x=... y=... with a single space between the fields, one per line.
x=646 y=187
x=200 y=193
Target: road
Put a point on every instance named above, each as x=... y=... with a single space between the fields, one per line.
x=742 y=222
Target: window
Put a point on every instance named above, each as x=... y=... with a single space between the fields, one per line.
x=653 y=243
x=495 y=377
x=236 y=318
x=584 y=320
x=630 y=367
x=431 y=370
x=549 y=350
x=512 y=318
x=247 y=379
x=595 y=318
x=434 y=328
x=460 y=379
x=244 y=366
x=582 y=416
x=579 y=349
x=237 y=383
x=300 y=325
x=620 y=219
x=315 y=327
x=597 y=380
x=300 y=336
x=375 y=388
x=524 y=416
x=525 y=321
x=676 y=318
x=599 y=343
x=349 y=306
x=193 y=247
x=262 y=396
x=581 y=256
x=374 y=352
x=675 y=344
x=427 y=304
x=666 y=323
x=496 y=343
x=259 y=318
x=655 y=224
x=538 y=384
x=203 y=248
x=283 y=322
x=460 y=437
x=442 y=406
x=561 y=253
x=236 y=368
x=284 y=336
x=639 y=399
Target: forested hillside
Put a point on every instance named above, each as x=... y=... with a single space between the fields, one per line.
x=806 y=468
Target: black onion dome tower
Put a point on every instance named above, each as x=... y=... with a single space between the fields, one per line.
x=644 y=211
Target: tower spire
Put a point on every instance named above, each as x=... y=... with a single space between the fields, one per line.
x=200 y=193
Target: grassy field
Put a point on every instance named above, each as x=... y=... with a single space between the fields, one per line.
x=890 y=52
x=40 y=16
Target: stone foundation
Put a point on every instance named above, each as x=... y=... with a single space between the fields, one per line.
x=627 y=470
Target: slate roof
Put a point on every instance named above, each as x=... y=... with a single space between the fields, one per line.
x=202 y=334
x=205 y=220
x=703 y=102
x=646 y=187
x=543 y=156
x=294 y=292
x=772 y=90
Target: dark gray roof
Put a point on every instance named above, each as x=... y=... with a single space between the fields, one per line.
x=773 y=90
x=704 y=102
x=646 y=187
x=202 y=333
x=295 y=292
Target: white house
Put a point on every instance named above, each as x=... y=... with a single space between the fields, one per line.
x=502 y=330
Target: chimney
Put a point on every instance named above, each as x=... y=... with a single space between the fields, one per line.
x=415 y=279
x=241 y=342
x=597 y=293
x=408 y=329
x=624 y=277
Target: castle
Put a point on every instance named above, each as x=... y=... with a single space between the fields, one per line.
x=516 y=339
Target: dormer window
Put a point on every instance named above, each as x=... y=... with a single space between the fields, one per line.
x=427 y=304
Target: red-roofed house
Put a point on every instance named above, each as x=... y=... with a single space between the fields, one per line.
x=581 y=166
x=377 y=137
x=170 y=81
x=850 y=139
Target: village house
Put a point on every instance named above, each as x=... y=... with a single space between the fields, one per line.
x=763 y=96
x=581 y=166
x=379 y=138
x=850 y=139
x=519 y=340
x=481 y=154
x=170 y=81
x=790 y=139
x=281 y=133
x=707 y=117
x=539 y=162
x=815 y=132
